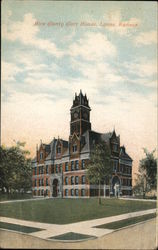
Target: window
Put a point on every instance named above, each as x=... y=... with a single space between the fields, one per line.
x=66 y=192
x=76 y=165
x=47 y=169
x=52 y=169
x=76 y=192
x=76 y=180
x=35 y=183
x=66 y=167
x=115 y=147
x=115 y=165
x=42 y=192
x=35 y=171
x=59 y=150
x=39 y=170
x=83 y=164
x=41 y=155
x=82 y=192
x=42 y=170
x=72 y=192
x=72 y=165
x=39 y=182
x=46 y=182
x=60 y=168
x=66 y=180
x=56 y=169
x=72 y=180
x=83 y=179
x=39 y=192
x=74 y=148
x=46 y=192
x=42 y=182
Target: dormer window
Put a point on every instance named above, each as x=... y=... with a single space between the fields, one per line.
x=74 y=148
x=59 y=150
x=41 y=155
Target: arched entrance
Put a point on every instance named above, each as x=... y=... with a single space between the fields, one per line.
x=116 y=186
x=55 y=188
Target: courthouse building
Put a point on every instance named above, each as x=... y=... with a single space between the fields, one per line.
x=59 y=168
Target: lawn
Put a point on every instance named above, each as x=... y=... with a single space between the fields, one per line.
x=63 y=211
x=127 y=222
x=18 y=228
x=72 y=236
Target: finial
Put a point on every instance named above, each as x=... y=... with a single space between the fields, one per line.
x=41 y=141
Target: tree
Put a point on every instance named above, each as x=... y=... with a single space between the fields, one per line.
x=146 y=178
x=15 y=168
x=99 y=167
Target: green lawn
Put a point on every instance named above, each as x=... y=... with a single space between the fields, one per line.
x=18 y=228
x=127 y=222
x=63 y=211
x=72 y=236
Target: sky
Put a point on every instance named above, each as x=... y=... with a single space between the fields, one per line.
x=50 y=50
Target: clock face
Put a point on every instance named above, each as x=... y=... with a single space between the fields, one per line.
x=75 y=115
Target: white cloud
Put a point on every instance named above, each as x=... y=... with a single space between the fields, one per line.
x=142 y=67
x=26 y=32
x=93 y=46
x=9 y=71
x=146 y=38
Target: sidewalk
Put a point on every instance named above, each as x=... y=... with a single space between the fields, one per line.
x=83 y=227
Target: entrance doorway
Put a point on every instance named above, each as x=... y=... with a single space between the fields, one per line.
x=55 y=188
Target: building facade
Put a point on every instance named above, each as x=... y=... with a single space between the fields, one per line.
x=59 y=168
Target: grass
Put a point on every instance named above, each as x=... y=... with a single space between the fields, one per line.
x=64 y=211
x=18 y=228
x=14 y=196
x=71 y=236
x=127 y=222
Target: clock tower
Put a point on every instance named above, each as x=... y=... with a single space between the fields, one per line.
x=80 y=115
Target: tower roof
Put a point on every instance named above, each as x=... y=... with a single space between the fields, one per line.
x=80 y=100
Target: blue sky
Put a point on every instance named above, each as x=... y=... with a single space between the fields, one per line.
x=43 y=66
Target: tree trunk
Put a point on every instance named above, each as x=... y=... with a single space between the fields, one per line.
x=99 y=194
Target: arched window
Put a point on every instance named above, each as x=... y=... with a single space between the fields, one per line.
x=83 y=179
x=83 y=164
x=82 y=192
x=41 y=155
x=59 y=150
x=76 y=179
x=76 y=192
x=66 y=167
x=72 y=192
x=76 y=165
x=72 y=180
x=66 y=180
x=66 y=192
x=74 y=148
x=72 y=165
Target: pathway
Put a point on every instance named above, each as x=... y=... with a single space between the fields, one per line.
x=83 y=227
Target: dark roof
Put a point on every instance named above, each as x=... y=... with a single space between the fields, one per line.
x=80 y=100
x=123 y=154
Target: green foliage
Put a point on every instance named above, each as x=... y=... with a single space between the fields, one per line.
x=99 y=168
x=15 y=168
x=146 y=178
